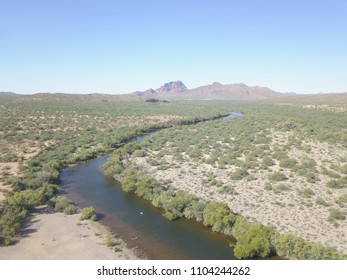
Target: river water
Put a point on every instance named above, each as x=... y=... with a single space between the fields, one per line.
x=139 y=223
x=151 y=234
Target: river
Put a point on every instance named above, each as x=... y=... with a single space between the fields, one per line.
x=139 y=223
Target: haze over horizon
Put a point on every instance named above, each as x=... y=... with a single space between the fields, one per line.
x=125 y=46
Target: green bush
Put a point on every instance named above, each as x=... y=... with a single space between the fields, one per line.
x=139 y=153
x=153 y=162
x=268 y=186
x=9 y=157
x=267 y=161
x=47 y=191
x=195 y=211
x=306 y=193
x=281 y=188
x=69 y=210
x=239 y=174
x=311 y=178
x=61 y=204
x=321 y=201
x=293 y=247
x=288 y=163
x=253 y=240
x=332 y=174
x=337 y=184
x=277 y=176
x=279 y=155
x=342 y=200
x=88 y=213
x=26 y=199
x=11 y=218
x=218 y=216
x=336 y=214
x=173 y=215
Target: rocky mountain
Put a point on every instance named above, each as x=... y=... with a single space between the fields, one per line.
x=172 y=88
x=216 y=91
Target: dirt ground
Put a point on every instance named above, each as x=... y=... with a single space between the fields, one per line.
x=55 y=236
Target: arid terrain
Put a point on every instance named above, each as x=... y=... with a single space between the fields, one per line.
x=302 y=209
x=283 y=164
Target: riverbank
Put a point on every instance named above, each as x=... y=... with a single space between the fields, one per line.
x=55 y=236
x=287 y=211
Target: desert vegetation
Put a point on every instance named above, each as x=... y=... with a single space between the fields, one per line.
x=252 y=239
x=282 y=166
x=44 y=133
x=274 y=179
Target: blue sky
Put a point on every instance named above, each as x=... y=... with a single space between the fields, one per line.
x=111 y=46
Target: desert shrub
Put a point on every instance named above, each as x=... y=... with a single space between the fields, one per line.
x=336 y=214
x=288 y=163
x=153 y=162
x=61 y=204
x=277 y=176
x=268 y=186
x=194 y=153
x=342 y=200
x=306 y=193
x=44 y=177
x=279 y=155
x=321 y=201
x=11 y=218
x=308 y=163
x=267 y=161
x=69 y=210
x=139 y=153
x=337 y=184
x=239 y=174
x=280 y=188
x=311 y=177
x=47 y=191
x=88 y=213
x=110 y=240
x=332 y=174
x=226 y=190
x=26 y=199
x=163 y=166
x=9 y=157
x=250 y=177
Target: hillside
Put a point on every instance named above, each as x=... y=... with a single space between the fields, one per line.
x=7 y=94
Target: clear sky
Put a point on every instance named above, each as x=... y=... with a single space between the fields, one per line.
x=119 y=46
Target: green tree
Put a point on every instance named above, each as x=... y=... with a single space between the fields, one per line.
x=218 y=216
x=253 y=240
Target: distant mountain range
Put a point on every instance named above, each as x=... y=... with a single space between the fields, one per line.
x=178 y=91
x=216 y=91
x=7 y=93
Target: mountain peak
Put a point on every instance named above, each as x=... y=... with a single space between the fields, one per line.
x=216 y=84
x=172 y=87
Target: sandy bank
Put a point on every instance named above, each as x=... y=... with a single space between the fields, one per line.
x=55 y=236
